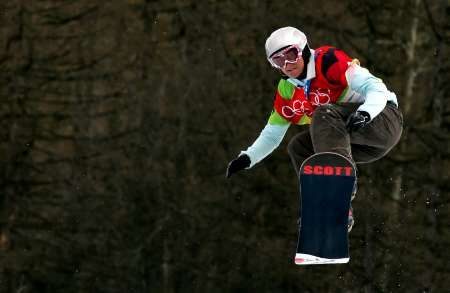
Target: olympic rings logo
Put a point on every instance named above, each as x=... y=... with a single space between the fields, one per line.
x=298 y=108
x=319 y=97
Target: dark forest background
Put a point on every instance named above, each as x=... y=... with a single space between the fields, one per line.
x=118 y=119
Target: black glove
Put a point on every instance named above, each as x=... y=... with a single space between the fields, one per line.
x=357 y=120
x=238 y=164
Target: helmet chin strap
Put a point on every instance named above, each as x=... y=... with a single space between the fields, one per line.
x=306 y=54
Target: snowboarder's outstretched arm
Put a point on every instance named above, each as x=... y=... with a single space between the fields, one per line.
x=268 y=140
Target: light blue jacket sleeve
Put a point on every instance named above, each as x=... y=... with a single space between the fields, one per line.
x=371 y=88
x=268 y=140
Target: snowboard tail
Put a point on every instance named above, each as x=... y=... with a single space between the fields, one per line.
x=326 y=185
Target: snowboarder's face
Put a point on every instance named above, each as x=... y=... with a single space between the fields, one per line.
x=289 y=60
x=293 y=70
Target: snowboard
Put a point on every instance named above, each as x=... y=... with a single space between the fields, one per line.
x=326 y=185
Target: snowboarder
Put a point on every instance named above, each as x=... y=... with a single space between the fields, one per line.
x=349 y=110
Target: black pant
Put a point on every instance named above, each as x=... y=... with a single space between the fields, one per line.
x=327 y=133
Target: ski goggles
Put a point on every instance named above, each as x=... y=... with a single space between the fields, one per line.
x=287 y=55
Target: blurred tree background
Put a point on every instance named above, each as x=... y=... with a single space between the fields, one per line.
x=119 y=119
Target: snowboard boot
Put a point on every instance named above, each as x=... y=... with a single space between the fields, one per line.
x=351 y=220
x=355 y=189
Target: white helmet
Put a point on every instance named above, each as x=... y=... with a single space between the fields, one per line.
x=283 y=37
